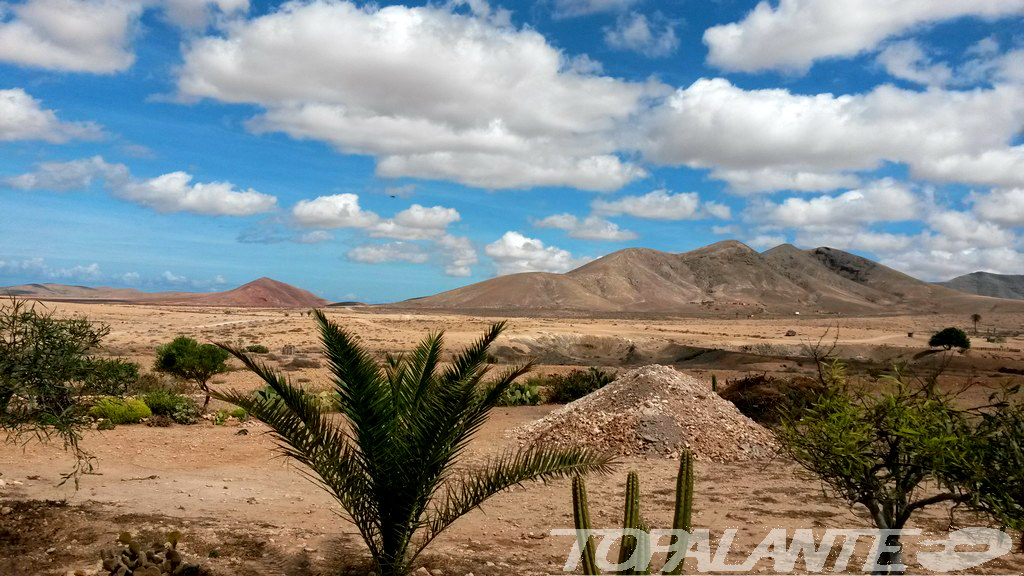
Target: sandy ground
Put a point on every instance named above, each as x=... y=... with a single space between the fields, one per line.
x=243 y=511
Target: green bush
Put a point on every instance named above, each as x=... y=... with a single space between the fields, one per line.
x=950 y=338
x=178 y=408
x=240 y=414
x=520 y=394
x=257 y=349
x=107 y=377
x=120 y=410
x=564 y=388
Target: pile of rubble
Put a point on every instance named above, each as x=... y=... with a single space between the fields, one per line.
x=655 y=411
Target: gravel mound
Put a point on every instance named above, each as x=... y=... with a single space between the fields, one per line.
x=655 y=411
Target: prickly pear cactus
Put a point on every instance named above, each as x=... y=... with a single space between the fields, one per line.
x=129 y=558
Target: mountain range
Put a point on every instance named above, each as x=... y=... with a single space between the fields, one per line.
x=726 y=278
x=988 y=284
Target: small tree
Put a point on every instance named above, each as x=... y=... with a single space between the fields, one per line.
x=975 y=318
x=393 y=462
x=950 y=338
x=189 y=360
x=880 y=450
x=44 y=363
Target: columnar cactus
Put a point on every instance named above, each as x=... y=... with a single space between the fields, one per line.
x=632 y=520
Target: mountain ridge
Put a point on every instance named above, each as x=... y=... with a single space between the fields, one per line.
x=989 y=284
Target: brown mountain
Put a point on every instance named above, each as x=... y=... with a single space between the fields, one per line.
x=988 y=284
x=723 y=278
x=261 y=293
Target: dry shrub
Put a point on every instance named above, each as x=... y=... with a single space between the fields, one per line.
x=761 y=397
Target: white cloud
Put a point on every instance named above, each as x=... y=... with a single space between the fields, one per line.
x=390 y=252
x=315 y=237
x=654 y=37
x=964 y=230
x=574 y=8
x=458 y=254
x=428 y=92
x=173 y=192
x=335 y=211
x=723 y=230
x=881 y=201
x=38 y=268
x=744 y=182
x=662 y=205
x=417 y=223
x=762 y=241
x=792 y=34
x=197 y=14
x=22 y=117
x=72 y=35
x=1001 y=206
x=907 y=60
x=713 y=124
x=590 y=228
x=514 y=253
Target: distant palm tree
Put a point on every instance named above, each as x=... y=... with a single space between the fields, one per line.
x=392 y=463
x=975 y=318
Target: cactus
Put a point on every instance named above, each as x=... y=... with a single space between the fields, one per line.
x=714 y=384
x=683 y=517
x=631 y=518
x=131 y=559
x=581 y=517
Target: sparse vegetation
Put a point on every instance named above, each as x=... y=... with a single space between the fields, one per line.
x=564 y=388
x=120 y=410
x=257 y=349
x=110 y=377
x=950 y=338
x=393 y=464
x=129 y=558
x=189 y=360
x=521 y=394
x=181 y=409
x=764 y=399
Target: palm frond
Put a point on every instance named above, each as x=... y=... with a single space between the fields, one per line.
x=464 y=493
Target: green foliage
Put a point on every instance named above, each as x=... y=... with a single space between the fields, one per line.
x=682 y=520
x=181 y=409
x=520 y=394
x=257 y=349
x=879 y=450
x=240 y=414
x=564 y=388
x=189 y=360
x=110 y=377
x=220 y=417
x=44 y=362
x=104 y=425
x=714 y=383
x=950 y=338
x=130 y=558
x=120 y=410
x=393 y=460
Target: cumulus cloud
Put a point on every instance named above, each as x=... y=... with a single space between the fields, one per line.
x=197 y=14
x=459 y=255
x=22 y=117
x=429 y=92
x=314 y=237
x=907 y=60
x=751 y=181
x=881 y=201
x=652 y=36
x=514 y=253
x=173 y=192
x=957 y=136
x=662 y=205
x=38 y=268
x=589 y=228
x=792 y=34
x=335 y=211
x=389 y=252
x=574 y=8
x=1004 y=207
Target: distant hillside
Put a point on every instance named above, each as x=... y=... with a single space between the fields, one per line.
x=988 y=284
x=261 y=293
x=725 y=278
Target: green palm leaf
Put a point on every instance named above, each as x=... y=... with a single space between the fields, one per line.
x=390 y=463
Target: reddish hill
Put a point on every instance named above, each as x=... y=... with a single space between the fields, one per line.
x=262 y=293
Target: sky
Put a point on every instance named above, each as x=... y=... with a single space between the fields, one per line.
x=382 y=151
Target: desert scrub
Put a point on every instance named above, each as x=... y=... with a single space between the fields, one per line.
x=257 y=349
x=520 y=394
x=181 y=409
x=564 y=388
x=120 y=410
x=240 y=414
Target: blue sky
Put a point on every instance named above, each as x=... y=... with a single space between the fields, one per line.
x=385 y=151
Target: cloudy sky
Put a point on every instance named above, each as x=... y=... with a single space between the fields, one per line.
x=378 y=151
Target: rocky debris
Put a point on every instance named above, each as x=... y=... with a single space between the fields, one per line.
x=655 y=411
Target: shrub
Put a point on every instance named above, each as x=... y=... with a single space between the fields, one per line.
x=520 y=394
x=189 y=360
x=110 y=377
x=764 y=399
x=220 y=417
x=257 y=349
x=120 y=410
x=240 y=414
x=178 y=408
x=564 y=388
x=160 y=421
x=950 y=338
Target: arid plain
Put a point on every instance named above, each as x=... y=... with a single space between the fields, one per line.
x=244 y=510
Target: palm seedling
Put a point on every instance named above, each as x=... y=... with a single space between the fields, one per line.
x=391 y=461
